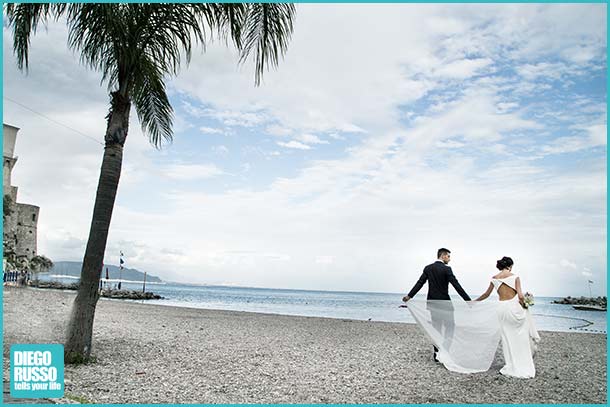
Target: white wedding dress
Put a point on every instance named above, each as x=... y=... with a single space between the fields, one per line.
x=519 y=335
x=467 y=334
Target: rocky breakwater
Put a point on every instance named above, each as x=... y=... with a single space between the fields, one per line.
x=599 y=301
x=118 y=294
x=130 y=295
x=53 y=284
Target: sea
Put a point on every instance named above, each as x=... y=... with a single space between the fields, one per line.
x=364 y=306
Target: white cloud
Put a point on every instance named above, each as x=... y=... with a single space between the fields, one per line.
x=221 y=150
x=294 y=144
x=325 y=259
x=325 y=91
x=543 y=70
x=190 y=172
x=449 y=144
x=311 y=139
x=276 y=130
x=336 y=136
x=581 y=53
x=504 y=107
x=568 y=264
x=472 y=119
x=464 y=68
x=210 y=130
x=247 y=119
x=594 y=136
x=598 y=134
x=227 y=117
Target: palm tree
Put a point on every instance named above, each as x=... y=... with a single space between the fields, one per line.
x=136 y=47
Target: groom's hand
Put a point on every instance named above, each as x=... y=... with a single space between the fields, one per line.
x=406 y=298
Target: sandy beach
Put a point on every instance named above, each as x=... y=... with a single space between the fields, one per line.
x=157 y=354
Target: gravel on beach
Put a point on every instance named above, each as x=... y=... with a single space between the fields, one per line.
x=159 y=354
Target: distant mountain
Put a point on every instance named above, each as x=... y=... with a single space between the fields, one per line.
x=73 y=268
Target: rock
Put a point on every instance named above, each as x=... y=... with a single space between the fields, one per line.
x=118 y=294
x=54 y=284
x=600 y=301
x=130 y=295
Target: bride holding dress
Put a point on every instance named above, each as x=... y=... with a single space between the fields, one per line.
x=519 y=336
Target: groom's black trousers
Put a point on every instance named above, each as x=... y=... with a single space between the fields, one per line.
x=442 y=318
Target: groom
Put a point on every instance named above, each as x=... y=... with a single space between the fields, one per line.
x=439 y=275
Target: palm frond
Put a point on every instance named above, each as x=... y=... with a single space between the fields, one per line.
x=25 y=18
x=266 y=30
x=152 y=104
x=97 y=32
x=136 y=46
x=169 y=35
x=224 y=19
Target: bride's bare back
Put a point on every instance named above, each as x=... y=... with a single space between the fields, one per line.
x=505 y=292
x=506 y=288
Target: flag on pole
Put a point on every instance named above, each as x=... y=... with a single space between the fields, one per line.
x=121 y=262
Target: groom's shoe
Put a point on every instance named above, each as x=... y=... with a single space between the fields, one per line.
x=435 y=353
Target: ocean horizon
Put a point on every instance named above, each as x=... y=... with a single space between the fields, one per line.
x=354 y=305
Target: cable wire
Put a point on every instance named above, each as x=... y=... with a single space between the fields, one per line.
x=52 y=120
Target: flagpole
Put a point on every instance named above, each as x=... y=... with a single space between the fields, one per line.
x=101 y=279
x=120 y=269
x=590 y=295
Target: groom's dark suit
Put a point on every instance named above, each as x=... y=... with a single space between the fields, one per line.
x=439 y=275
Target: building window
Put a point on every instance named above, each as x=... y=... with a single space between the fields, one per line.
x=30 y=232
x=33 y=217
x=18 y=223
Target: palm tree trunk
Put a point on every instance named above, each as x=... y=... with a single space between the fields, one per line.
x=80 y=328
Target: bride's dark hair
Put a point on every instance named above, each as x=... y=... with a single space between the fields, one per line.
x=504 y=263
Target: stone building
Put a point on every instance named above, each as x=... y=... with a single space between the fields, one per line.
x=20 y=220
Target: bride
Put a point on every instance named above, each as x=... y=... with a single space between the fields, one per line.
x=480 y=326
x=516 y=327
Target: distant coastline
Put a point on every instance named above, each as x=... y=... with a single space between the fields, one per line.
x=68 y=269
x=111 y=280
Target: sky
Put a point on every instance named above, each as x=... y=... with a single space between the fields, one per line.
x=387 y=132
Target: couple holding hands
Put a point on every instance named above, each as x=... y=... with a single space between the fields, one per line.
x=466 y=334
